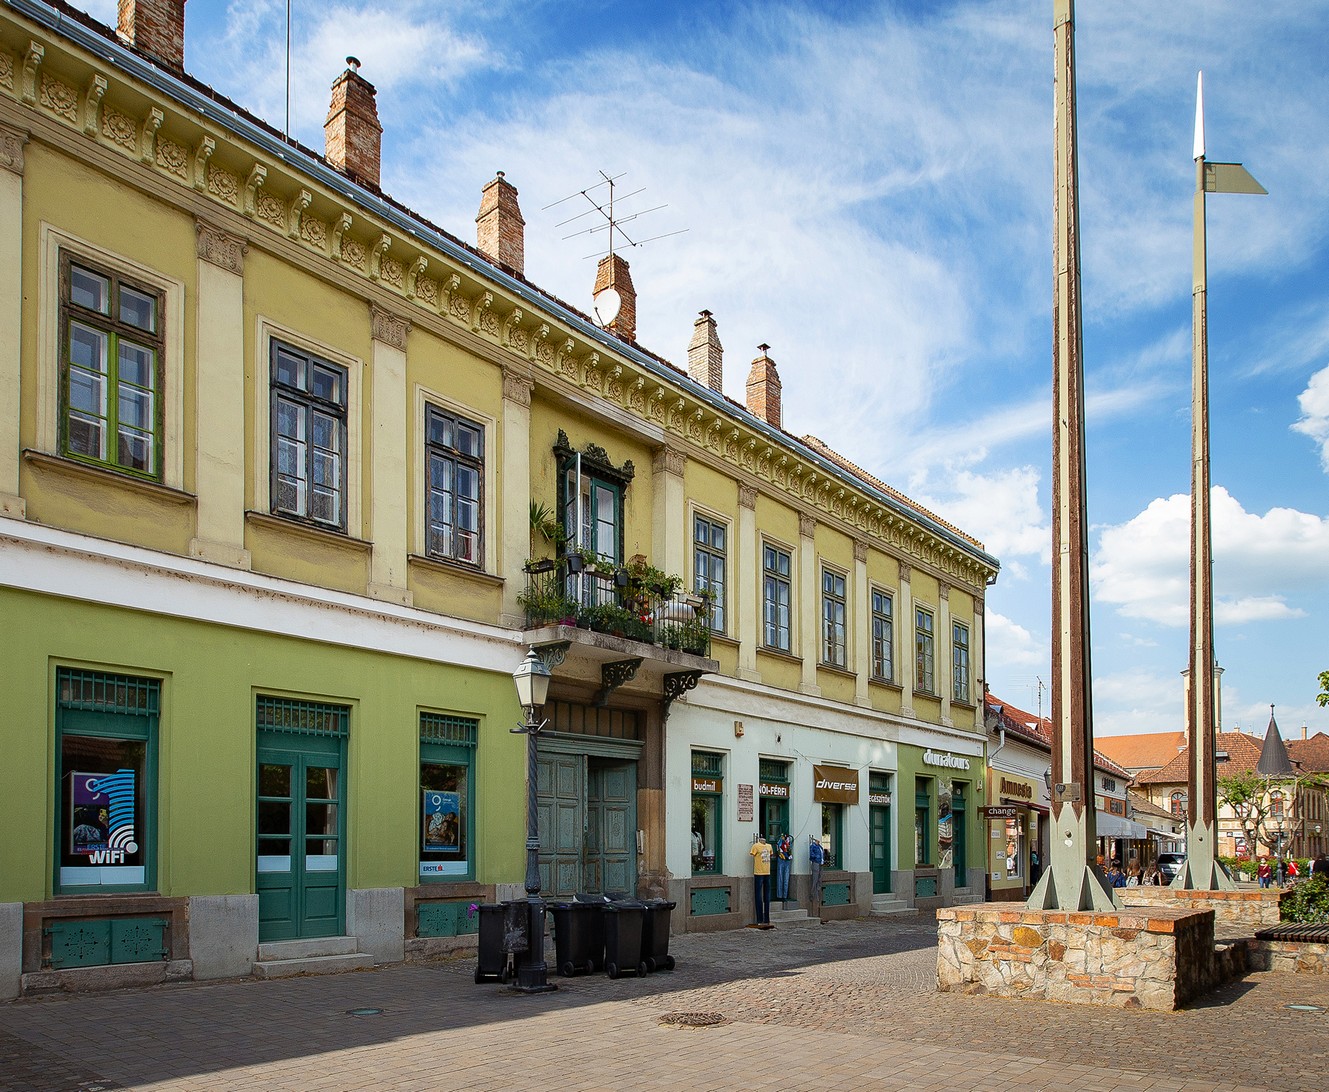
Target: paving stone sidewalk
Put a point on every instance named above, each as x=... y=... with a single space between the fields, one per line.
x=840 y=1006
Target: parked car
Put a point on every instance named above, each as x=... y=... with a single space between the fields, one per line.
x=1170 y=864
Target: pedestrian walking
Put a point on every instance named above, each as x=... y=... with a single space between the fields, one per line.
x=1264 y=872
x=761 y=881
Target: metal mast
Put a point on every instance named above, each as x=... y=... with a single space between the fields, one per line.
x=1201 y=871
x=1073 y=881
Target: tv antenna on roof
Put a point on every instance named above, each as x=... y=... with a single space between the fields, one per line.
x=608 y=301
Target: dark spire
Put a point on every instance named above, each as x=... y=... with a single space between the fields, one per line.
x=1273 y=756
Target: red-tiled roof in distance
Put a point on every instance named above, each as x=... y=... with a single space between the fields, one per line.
x=1141 y=805
x=1311 y=755
x=1243 y=752
x=1039 y=730
x=1148 y=751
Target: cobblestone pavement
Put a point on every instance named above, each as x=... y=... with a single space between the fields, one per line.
x=840 y=1006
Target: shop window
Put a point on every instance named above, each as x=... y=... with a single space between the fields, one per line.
x=106 y=776
x=773 y=794
x=446 y=826
x=833 y=618
x=832 y=834
x=1014 y=848
x=883 y=636
x=707 y=811
x=776 y=597
x=923 y=820
x=709 y=561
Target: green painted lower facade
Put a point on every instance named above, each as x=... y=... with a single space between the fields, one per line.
x=211 y=677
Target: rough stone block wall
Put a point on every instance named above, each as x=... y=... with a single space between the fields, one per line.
x=1128 y=960
x=1233 y=910
x=1290 y=956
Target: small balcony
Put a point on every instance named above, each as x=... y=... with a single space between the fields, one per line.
x=634 y=602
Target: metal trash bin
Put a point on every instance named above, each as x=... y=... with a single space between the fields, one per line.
x=579 y=936
x=655 y=934
x=623 y=927
x=491 y=956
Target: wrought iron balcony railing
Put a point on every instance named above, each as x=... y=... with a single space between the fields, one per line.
x=623 y=602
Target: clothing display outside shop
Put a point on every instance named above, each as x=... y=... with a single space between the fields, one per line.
x=784 y=856
x=761 y=881
x=816 y=858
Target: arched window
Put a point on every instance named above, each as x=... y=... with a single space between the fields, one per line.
x=1276 y=804
x=1179 y=805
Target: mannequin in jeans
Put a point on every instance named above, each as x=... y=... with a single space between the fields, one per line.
x=816 y=858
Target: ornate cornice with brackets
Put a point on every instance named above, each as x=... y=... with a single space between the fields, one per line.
x=289 y=211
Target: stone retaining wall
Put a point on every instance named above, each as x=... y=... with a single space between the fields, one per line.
x=1289 y=956
x=1239 y=911
x=1154 y=960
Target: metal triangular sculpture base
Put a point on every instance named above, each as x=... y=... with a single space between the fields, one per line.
x=1201 y=872
x=1072 y=883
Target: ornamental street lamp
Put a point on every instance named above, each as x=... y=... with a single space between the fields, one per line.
x=532 y=682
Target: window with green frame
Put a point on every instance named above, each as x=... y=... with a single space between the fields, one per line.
x=112 y=346
x=707 y=810
x=832 y=835
x=923 y=820
x=106 y=730
x=446 y=827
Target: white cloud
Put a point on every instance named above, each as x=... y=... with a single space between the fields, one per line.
x=1138 y=700
x=1001 y=509
x=1009 y=645
x=1314 y=421
x=1263 y=565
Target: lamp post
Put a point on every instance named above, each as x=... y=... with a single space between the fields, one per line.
x=532 y=682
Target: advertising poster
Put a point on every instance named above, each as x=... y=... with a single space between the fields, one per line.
x=90 y=826
x=442 y=825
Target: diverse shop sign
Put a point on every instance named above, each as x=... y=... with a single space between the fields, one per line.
x=945 y=759
x=834 y=785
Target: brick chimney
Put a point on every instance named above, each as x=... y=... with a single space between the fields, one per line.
x=613 y=273
x=764 y=388
x=501 y=231
x=706 y=354
x=352 y=133
x=156 y=28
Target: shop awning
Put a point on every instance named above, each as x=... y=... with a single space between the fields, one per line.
x=1114 y=826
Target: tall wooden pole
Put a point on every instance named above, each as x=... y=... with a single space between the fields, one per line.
x=1073 y=882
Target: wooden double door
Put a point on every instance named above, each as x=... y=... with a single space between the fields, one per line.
x=587 y=806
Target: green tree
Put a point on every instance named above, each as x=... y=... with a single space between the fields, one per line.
x=1323 y=696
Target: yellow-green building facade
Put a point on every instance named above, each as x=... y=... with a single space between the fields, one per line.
x=270 y=452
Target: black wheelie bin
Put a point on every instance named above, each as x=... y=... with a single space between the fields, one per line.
x=491 y=956
x=655 y=934
x=623 y=929
x=579 y=936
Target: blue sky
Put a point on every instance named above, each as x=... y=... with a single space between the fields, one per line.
x=867 y=187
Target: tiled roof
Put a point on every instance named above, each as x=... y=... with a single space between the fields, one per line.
x=1039 y=730
x=1141 y=805
x=1243 y=753
x=1312 y=755
x=1147 y=751
x=843 y=463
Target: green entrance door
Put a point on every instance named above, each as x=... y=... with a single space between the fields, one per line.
x=561 y=807
x=301 y=833
x=879 y=847
x=588 y=823
x=611 y=826
x=960 y=843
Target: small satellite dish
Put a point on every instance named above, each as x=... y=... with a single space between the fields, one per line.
x=606 y=305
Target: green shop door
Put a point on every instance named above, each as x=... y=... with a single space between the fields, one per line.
x=301 y=863
x=879 y=847
x=960 y=842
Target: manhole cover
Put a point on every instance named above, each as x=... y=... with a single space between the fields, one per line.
x=693 y=1019
x=364 y=1012
x=1306 y=1008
